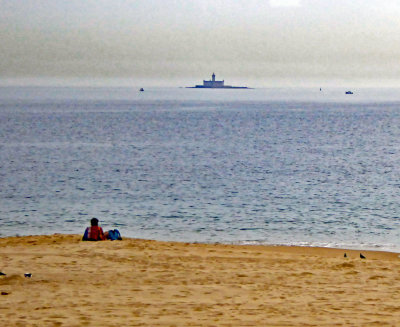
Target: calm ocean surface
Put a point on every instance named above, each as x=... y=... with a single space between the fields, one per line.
x=269 y=166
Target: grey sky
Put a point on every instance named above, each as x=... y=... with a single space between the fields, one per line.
x=176 y=42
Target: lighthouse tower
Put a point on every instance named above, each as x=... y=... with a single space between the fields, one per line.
x=212 y=84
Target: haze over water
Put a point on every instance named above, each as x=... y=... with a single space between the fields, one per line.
x=270 y=166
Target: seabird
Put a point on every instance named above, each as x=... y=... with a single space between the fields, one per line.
x=2 y=274
x=345 y=255
x=361 y=256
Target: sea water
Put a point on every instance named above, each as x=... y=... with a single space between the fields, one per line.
x=257 y=166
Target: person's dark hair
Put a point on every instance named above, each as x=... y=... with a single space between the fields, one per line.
x=94 y=222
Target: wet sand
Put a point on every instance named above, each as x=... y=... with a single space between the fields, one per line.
x=150 y=283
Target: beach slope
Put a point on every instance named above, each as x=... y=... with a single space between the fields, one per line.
x=149 y=283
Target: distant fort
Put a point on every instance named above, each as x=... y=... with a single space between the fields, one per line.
x=213 y=84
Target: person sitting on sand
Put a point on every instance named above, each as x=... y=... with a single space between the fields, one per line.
x=94 y=232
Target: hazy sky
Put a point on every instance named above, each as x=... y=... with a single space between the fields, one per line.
x=181 y=42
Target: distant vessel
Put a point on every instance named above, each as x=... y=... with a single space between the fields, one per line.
x=349 y=92
x=214 y=84
x=141 y=89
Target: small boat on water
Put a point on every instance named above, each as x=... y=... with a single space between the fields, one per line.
x=141 y=89
x=349 y=92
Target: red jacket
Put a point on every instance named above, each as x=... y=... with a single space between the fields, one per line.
x=93 y=233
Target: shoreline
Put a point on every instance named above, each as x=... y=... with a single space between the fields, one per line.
x=294 y=247
x=137 y=282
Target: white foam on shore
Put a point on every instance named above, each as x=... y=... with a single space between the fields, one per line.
x=333 y=245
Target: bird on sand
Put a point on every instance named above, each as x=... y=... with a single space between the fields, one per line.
x=345 y=255
x=361 y=256
x=2 y=274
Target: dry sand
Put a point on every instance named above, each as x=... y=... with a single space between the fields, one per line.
x=149 y=283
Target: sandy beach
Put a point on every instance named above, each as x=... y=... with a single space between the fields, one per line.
x=149 y=283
